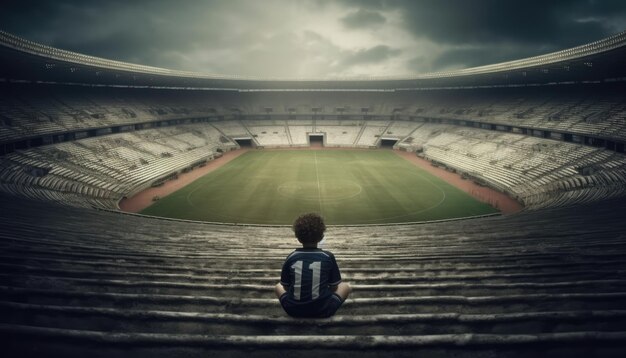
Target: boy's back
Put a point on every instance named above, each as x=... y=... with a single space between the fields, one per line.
x=308 y=274
x=310 y=282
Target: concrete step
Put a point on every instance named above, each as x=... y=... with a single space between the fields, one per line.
x=370 y=288
x=168 y=254
x=569 y=263
x=250 y=261
x=156 y=321
x=367 y=241
x=72 y=343
x=270 y=276
x=137 y=243
x=266 y=304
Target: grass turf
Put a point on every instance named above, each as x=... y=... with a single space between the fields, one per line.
x=345 y=186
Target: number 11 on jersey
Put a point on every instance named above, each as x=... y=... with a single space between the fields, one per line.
x=316 y=268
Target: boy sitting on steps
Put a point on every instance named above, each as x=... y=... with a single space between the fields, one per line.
x=310 y=282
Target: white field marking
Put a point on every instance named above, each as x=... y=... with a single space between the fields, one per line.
x=319 y=190
x=284 y=186
x=188 y=197
x=443 y=198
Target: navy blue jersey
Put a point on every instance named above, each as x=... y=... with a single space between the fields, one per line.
x=308 y=274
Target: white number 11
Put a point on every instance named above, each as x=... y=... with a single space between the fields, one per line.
x=316 y=267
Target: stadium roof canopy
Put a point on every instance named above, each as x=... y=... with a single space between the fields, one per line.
x=26 y=61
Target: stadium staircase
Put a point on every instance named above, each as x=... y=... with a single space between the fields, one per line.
x=78 y=283
x=288 y=134
x=358 y=136
x=384 y=131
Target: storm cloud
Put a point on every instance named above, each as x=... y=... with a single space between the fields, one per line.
x=313 y=38
x=371 y=55
x=363 y=19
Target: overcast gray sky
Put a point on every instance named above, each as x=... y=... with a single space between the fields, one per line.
x=313 y=38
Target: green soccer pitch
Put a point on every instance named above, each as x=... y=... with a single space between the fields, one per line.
x=345 y=186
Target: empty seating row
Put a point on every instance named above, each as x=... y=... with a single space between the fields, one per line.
x=105 y=169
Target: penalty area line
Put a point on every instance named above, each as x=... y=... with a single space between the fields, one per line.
x=319 y=190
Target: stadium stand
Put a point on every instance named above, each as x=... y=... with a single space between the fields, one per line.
x=232 y=128
x=298 y=131
x=105 y=169
x=572 y=110
x=528 y=168
x=129 y=285
x=80 y=132
x=534 y=170
x=275 y=135
x=343 y=135
x=370 y=134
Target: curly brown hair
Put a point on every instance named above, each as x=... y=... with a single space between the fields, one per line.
x=309 y=228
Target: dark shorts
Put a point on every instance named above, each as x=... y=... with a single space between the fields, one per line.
x=318 y=309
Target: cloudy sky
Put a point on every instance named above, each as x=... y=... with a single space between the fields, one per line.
x=313 y=38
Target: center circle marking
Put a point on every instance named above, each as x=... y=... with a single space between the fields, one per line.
x=332 y=190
